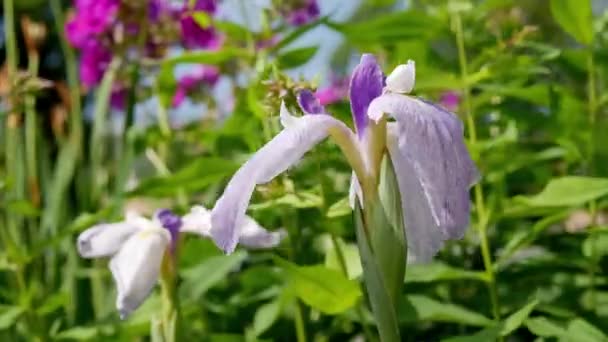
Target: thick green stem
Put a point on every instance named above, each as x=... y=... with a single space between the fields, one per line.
x=170 y=301
x=482 y=214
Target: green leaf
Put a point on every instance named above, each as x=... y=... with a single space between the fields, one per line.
x=78 y=333
x=516 y=319
x=9 y=315
x=390 y=28
x=339 y=209
x=580 y=330
x=193 y=177
x=421 y=308
x=543 y=327
x=383 y=306
x=23 y=207
x=265 y=316
x=324 y=289
x=296 y=57
x=568 y=191
x=438 y=271
x=200 y=278
x=488 y=334
x=351 y=256
x=575 y=17
x=300 y=200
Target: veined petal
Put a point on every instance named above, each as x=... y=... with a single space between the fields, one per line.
x=284 y=150
x=198 y=221
x=432 y=141
x=104 y=239
x=423 y=235
x=136 y=267
x=309 y=103
x=366 y=84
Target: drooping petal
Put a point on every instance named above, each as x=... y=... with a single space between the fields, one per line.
x=136 y=267
x=252 y=235
x=366 y=84
x=283 y=151
x=309 y=103
x=104 y=239
x=424 y=237
x=432 y=140
x=197 y=221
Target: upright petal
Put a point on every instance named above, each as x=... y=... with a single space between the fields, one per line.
x=431 y=139
x=104 y=239
x=136 y=267
x=283 y=151
x=424 y=237
x=366 y=84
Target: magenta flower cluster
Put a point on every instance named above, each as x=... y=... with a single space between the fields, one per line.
x=99 y=29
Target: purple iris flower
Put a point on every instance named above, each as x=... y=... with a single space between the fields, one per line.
x=193 y=35
x=305 y=14
x=425 y=143
x=138 y=245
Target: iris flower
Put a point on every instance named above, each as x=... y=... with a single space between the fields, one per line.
x=425 y=143
x=138 y=245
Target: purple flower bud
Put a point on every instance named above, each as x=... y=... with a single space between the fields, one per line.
x=171 y=222
x=304 y=15
x=193 y=35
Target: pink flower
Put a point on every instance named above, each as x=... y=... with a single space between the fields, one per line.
x=335 y=92
x=201 y=75
x=450 y=100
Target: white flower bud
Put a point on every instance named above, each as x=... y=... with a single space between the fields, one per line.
x=402 y=79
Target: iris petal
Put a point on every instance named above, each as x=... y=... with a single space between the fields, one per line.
x=424 y=238
x=431 y=139
x=136 y=267
x=284 y=150
x=366 y=84
x=104 y=239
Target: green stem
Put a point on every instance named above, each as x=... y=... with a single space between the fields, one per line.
x=299 y=323
x=592 y=107
x=482 y=214
x=30 y=135
x=100 y=113
x=170 y=301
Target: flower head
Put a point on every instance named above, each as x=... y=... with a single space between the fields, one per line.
x=304 y=14
x=193 y=34
x=199 y=76
x=425 y=144
x=138 y=245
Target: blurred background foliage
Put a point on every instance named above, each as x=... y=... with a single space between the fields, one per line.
x=527 y=77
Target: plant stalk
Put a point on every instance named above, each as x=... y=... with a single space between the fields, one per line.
x=482 y=214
